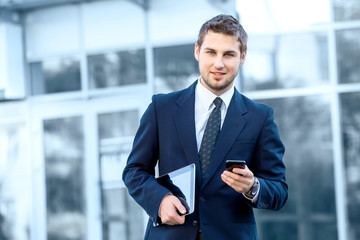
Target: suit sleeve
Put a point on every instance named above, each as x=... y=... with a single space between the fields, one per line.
x=139 y=172
x=269 y=168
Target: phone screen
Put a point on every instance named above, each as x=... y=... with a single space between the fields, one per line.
x=231 y=164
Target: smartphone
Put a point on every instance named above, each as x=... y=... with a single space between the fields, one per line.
x=230 y=164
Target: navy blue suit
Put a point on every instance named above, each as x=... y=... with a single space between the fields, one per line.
x=167 y=135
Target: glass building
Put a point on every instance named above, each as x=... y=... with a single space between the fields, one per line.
x=76 y=76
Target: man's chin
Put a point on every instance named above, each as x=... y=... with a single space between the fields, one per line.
x=216 y=85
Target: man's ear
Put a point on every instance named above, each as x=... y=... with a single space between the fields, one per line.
x=243 y=56
x=197 y=51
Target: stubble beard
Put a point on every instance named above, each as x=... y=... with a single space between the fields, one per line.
x=218 y=88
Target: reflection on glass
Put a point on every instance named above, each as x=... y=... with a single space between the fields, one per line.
x=351 y=143
x=348 y=58
x=306 y=133
x=15 y=184
x=122 y=217
x=117 y=69
x=175 y=67
x=279 y=231
x=118 y=124
x=274 y=15
x=55 y=76
x=64 y=156
x=345 y=10
x=286 y=61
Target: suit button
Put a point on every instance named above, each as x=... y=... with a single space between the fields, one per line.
x=195 y=223
x=202 y=199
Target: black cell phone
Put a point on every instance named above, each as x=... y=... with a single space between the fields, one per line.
x=230 y=164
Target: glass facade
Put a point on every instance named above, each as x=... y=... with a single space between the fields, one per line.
x=117 y=69
x=286 y=61
x=304 y=122
x=122 y=218
x=14 y=207
x=55 y=76
x=175 y=67
x=302 y=61
x=346 y=10
x=350 y=123
x=64 y=158
x=290 y=65
x=348 y=61
x=282 y=15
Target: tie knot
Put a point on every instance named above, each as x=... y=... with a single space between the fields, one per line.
x=218 y=102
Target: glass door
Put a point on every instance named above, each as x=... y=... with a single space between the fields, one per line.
x=121 y=215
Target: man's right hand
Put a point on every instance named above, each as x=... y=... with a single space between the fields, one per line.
x=168 y=213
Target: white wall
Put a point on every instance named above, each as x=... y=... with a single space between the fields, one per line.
x=74 y=28
x=11 y=61
x=52 y=31
x=176 y=21
x=111 y=24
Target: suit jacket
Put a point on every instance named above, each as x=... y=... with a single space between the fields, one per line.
x=166 y=136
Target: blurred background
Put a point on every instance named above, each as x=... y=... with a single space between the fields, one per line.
x=76 y=76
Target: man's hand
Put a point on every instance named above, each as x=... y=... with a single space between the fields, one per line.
x=241 y=184
x=168 y=213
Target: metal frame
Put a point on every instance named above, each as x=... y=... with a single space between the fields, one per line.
x=26 y=5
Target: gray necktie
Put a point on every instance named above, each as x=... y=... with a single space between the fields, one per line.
x=211 y=133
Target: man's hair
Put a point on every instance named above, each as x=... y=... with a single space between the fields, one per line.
x=227 y=25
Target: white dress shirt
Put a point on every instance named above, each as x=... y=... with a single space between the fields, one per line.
x=204 y=106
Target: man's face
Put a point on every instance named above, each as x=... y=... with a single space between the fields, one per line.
x=219 y=60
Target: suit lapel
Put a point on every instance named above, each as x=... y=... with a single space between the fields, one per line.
x=185 y=125
x=233 y=125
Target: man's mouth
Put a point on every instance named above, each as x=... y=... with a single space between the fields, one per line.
x=218 y=73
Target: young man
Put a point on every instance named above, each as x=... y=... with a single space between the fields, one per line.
x=175 y=131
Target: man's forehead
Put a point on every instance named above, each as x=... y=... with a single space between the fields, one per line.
x=213 y=40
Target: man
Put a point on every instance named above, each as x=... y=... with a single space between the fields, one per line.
x=173 y=132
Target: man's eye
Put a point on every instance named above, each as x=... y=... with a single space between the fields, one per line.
x=211 y=52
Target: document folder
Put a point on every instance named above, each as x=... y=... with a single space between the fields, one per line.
x=181 y=183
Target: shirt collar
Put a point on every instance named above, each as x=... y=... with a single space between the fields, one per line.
x=206 y=97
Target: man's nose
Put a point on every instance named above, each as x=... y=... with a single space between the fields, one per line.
x=218 y=63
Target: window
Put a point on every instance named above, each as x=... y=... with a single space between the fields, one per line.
x=175 y=67
x=15 y=191
x=117 y=69
x=122 y=217
x=304 y=122
x=351 y=143
x=275 y=15
x=345 y=10
x=348 y=59
x=64 y=171
x=55 y=75
x=286 y=61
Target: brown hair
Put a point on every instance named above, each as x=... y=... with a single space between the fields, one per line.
x=227 y=25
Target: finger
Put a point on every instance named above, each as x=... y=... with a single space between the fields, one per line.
x=232 y=175
x=228 y=180
x=180 y=219
x=239 y=171
x=181 y=208
x=246 y=172
x=236 y=185
x=172 y=217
